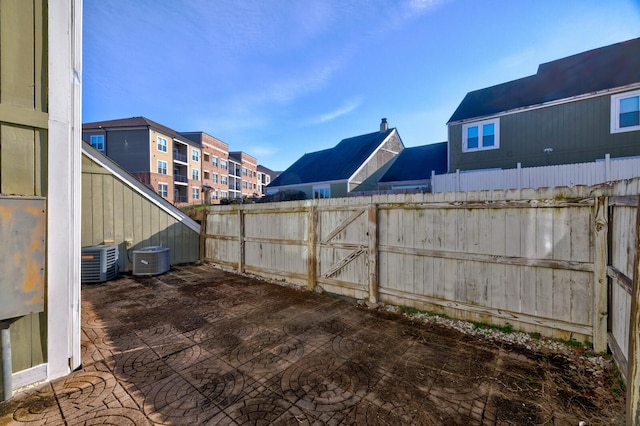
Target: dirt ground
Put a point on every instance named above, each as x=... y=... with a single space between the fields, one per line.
x=199 y=345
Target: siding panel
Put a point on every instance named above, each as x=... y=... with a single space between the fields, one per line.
x=577 y=131
x=17 y=162
x=17 y=67
x=23 y=138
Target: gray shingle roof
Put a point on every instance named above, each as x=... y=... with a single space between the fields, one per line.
x=599 y=69
x=138 y=122
x=337 y=163
x=416 y=163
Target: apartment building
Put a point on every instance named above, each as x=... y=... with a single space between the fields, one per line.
x=215 y=166
x=243 y=175
x=183 y=167
x=155 y=154
x=265 y=176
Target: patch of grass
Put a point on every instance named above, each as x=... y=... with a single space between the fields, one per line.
x=194 y=211
x=409 y=310
x=507 y=328
x=535 y=336
x=574 y=343
x=616 y=385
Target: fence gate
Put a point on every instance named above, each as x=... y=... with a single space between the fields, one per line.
x=622 y=244
x=345 y=241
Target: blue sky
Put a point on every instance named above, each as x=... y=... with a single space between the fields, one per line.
x=280 y=78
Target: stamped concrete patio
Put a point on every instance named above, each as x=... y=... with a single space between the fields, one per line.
x=198 y=345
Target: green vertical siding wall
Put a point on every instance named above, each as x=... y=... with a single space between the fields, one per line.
x=23 y=137
x=114 y=212
x=577 y=131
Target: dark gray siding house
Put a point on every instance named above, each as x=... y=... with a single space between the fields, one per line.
x=573 y=110
x=410 y=170
x=335 y=172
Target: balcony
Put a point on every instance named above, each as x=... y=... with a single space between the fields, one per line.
x=180 y=199
x=180 y=179
x=179 y=157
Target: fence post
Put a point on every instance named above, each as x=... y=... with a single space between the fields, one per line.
x=607 y=167
x=600 y=279
x=372 y=232
x=433 y=181
x=458 y=180
x=312 y=261
x=240 y=240
x=203 y=234
x=519 y=177
x=633 y=357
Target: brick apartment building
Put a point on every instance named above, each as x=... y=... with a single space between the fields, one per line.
x=243 y=176
x=184 y=168
x=215 y=166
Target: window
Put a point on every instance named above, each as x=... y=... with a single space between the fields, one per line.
x=97 y=141
x=195 y=193
x=625 y=112
x=215 y=194
x=215 y=178
x=321 y=191
x=223 y=164
x=481 y=135
x=244 y=184
x=205 y=175
x=224 y=180
x=163 y=189
x=195 y=155
x=162 y=167
x=195 y=174
x=223 y=194
x=244 y=171
x=205 y=157
x=214 y=161
x=162 y=144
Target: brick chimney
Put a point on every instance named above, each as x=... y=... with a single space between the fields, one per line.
x=384 y=126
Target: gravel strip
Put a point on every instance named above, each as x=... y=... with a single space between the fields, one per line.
x=594 y=364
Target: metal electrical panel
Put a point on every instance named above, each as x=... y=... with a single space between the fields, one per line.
x=22 y=255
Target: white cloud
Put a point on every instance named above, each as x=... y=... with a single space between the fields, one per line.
x=261 y=151
x=414 y=8
x=344 y=109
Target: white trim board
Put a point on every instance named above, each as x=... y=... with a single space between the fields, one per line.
x=28 y=377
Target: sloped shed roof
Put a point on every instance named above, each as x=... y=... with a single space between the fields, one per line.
x=337 y=163
x=595 y=70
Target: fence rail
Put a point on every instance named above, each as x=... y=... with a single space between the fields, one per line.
x=606 y=170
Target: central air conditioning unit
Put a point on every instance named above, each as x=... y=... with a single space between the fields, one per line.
x=151 y=260
x=99 y=263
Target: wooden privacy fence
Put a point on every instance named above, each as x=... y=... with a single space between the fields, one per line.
x=560 y=262
x=528 y=260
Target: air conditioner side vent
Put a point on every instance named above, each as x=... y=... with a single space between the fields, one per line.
x=99 y=263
